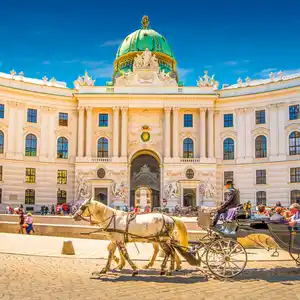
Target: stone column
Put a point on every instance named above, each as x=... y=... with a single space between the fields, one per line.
x=167 y=132
x=175 y=132
x=89 y=125
x=19 y=114
x=210 y=132
x=281 y=131
x=202 y=132
x=124 y=131
x=218 y=146
x=248 y=134
x=11 y=128
x=52 y=148
x=241 y=138
x=80 y=131
x=273 y=151
x=44 y=140
x=116 y=132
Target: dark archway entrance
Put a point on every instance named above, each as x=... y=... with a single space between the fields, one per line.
x=145 y=172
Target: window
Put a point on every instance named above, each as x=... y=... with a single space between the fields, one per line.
x=62 y=176
x=261 y=177
x=260 y=117
x=188 y=148
x=228 y=175
x=30 y=175
x=295 y=174
x=62 y=148
x=63 y=119
x=261 y=198
x=103 y=120
x=30 y=145
x=1 y=111
x=1 y=142
x=102 y=147
x=295 y=196
x=30 y=197
x=61 y=196
x=31 y=115
x=228 y=149
x=228 y=120
x=190 y=173
x=294 y=143
x=261 y=147
x=294 y=111
x=188 y=120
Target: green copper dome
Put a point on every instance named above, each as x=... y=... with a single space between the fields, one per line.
x=137 y=42
x=142 y=39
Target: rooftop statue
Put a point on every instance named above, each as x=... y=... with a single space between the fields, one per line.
x=207 y=81
x=145 y=22
x=85 y=80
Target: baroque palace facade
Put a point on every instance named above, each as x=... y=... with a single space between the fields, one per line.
x=145 y=136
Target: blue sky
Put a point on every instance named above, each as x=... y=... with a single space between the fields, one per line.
x=231 y=39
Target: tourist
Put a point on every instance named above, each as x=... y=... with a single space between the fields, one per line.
x=261 y=213
x=52 y=209
x=277 y=217
x=278 y=204
x=295 y=210
x=21 y=209
x=8 y=209
x=29 y=223
x=46 y=210
x=21 y=222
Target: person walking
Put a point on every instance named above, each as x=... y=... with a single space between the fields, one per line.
x=29 y=224
x=21 y=222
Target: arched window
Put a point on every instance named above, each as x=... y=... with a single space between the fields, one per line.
x=62 y=148
x=294 y=143
x=102 y=147
x=29 y=196
x=261 y=198
x=1 y=142
x=228 y=149
x=61 y=196
x=295 y=196
x=30 y=145
x=261 y=147
x=188 y=148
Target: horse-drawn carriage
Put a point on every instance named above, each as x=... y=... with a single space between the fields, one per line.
x=218 y=251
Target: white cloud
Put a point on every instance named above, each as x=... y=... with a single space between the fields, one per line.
x=292 y=71
x=265 y=72
x=183 y=72
x=110 y=43
x=46 y=62
x=71 y=61
x=231 y=63
x=104 y=72
x=241 y=71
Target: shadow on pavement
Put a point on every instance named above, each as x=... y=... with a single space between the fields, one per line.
x=153 y=276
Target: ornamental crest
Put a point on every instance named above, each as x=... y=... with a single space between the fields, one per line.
x=145 y=135
x=85 y=80
x=207 y=81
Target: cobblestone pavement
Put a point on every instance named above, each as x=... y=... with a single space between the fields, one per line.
x=32 y=277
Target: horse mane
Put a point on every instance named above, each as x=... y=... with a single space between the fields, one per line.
x=105 y=209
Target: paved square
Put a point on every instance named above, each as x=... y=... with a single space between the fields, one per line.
x=35 y=277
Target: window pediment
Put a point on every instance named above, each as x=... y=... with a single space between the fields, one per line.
x=31 y=129
x=260 y=131
x=228 y=134
x=63 y=133
x=292 y=127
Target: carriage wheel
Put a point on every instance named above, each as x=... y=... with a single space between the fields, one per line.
x=226 y=258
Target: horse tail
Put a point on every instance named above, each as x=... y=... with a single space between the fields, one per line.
x=182 y=232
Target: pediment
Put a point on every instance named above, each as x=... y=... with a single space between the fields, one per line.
x=228 y=133
x=260 y=131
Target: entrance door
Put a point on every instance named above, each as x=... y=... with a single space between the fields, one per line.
x=189 y=197
x=143 y=197
x=145 y=172
x=101 y=195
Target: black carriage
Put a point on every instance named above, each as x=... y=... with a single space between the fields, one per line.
x=222 y=254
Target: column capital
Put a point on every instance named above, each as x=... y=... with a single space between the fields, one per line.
x=116 y=108
x=217 y=111
x=88 y=108
x=240 y=110
x=167 y=109
x=124 y=108
x=272 y=106
x=202 y=109
x=80 y=108
x=210 y=109
x=176 y=109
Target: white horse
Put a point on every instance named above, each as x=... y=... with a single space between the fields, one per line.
x=123 y=227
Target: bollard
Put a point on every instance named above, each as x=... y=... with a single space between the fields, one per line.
x=68 y=248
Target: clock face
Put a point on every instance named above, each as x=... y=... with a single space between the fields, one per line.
x=145 y=136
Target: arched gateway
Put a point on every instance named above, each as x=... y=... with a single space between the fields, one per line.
x=145 y=180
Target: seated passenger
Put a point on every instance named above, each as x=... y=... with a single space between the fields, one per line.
x=261 y=213
x=277 y=217
x=295 y=219
x=231 y=200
